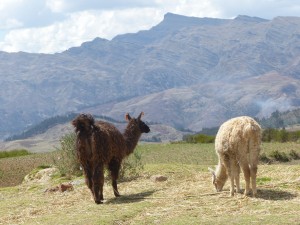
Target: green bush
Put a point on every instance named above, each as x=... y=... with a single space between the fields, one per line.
x=279 y=156
x=132 y=166
x=66 y=161
x=199 y=138
x=14 y=153
x=264 y=158
x=294 y=155
x=280 y=135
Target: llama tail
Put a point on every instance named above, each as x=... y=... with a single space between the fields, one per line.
x=252 y=131
x=83 y=122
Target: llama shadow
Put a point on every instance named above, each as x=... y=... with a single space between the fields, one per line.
x=130 y=198
x=274 y=195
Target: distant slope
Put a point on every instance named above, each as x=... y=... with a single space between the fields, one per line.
x=47 y=124
x=285 y=119
x=46 y=136
x=185 y=72
x=42 y=127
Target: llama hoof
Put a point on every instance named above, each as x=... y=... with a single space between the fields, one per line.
x=117 y=195
x=99 y=202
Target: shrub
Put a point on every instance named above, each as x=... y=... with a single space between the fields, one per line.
x=199 y=138
x=294 y=155
x=264 y=158
x=271 y=134
x=131 y=166
x=279 y=156
x=67 y=162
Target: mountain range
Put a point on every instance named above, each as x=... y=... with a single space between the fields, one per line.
x=186 y=72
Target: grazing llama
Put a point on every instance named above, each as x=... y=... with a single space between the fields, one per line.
x=101 y=144
x=237 y=145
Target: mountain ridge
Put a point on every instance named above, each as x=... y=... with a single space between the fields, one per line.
x=221 y=67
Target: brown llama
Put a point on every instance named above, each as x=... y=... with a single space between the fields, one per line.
x=101 y=144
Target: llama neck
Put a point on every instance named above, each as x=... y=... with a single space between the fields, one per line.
x=131 y=136
x=221 y=173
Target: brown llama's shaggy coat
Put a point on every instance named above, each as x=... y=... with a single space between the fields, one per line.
x=101 y=144
x=237 y=145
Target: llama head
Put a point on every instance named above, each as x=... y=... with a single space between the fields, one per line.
x=138 y=122
x=218 y=183
x=83 y=122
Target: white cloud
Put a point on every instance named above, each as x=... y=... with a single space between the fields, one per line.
x=56 y=25
x=6 y=8
x=78 y=28
x=189 y=7
x=56 y=6
x=10 y=23
x=267 y=9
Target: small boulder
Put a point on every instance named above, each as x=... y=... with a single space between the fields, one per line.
x=158 y=178
x=65 y=187
x=61 y=188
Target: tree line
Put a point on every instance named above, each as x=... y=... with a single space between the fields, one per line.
x=268 y=135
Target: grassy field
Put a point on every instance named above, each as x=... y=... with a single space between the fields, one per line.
x=187 y=197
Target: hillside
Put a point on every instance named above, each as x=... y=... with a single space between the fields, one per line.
x=39 y=139
x=185 y=72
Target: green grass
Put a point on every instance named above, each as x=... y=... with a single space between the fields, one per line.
x=263 y=180
x=187 y=197
x=197 y=154
x=14 y=153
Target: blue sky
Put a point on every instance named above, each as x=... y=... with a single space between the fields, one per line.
x=49 y=26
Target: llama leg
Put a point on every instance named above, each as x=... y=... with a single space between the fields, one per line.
x=253 y=168
x=228 y=163
x=234 y=177
x=114 y=167
x=237 y=179
x=246 y=172
x=88 y=178
x=98 y=181
x=231 y=185
x=253 y=171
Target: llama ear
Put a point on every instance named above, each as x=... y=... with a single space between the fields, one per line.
x=213 y=174
x=74 y=122
x=212 y=171
x=127 y=117
x=140 y=116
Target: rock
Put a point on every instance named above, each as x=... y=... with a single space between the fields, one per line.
x=61 y=188
x=158 y=178
x=65 y=187
x=41 y=176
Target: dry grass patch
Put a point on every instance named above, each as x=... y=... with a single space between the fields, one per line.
x=187 y=197
x=13 y=170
